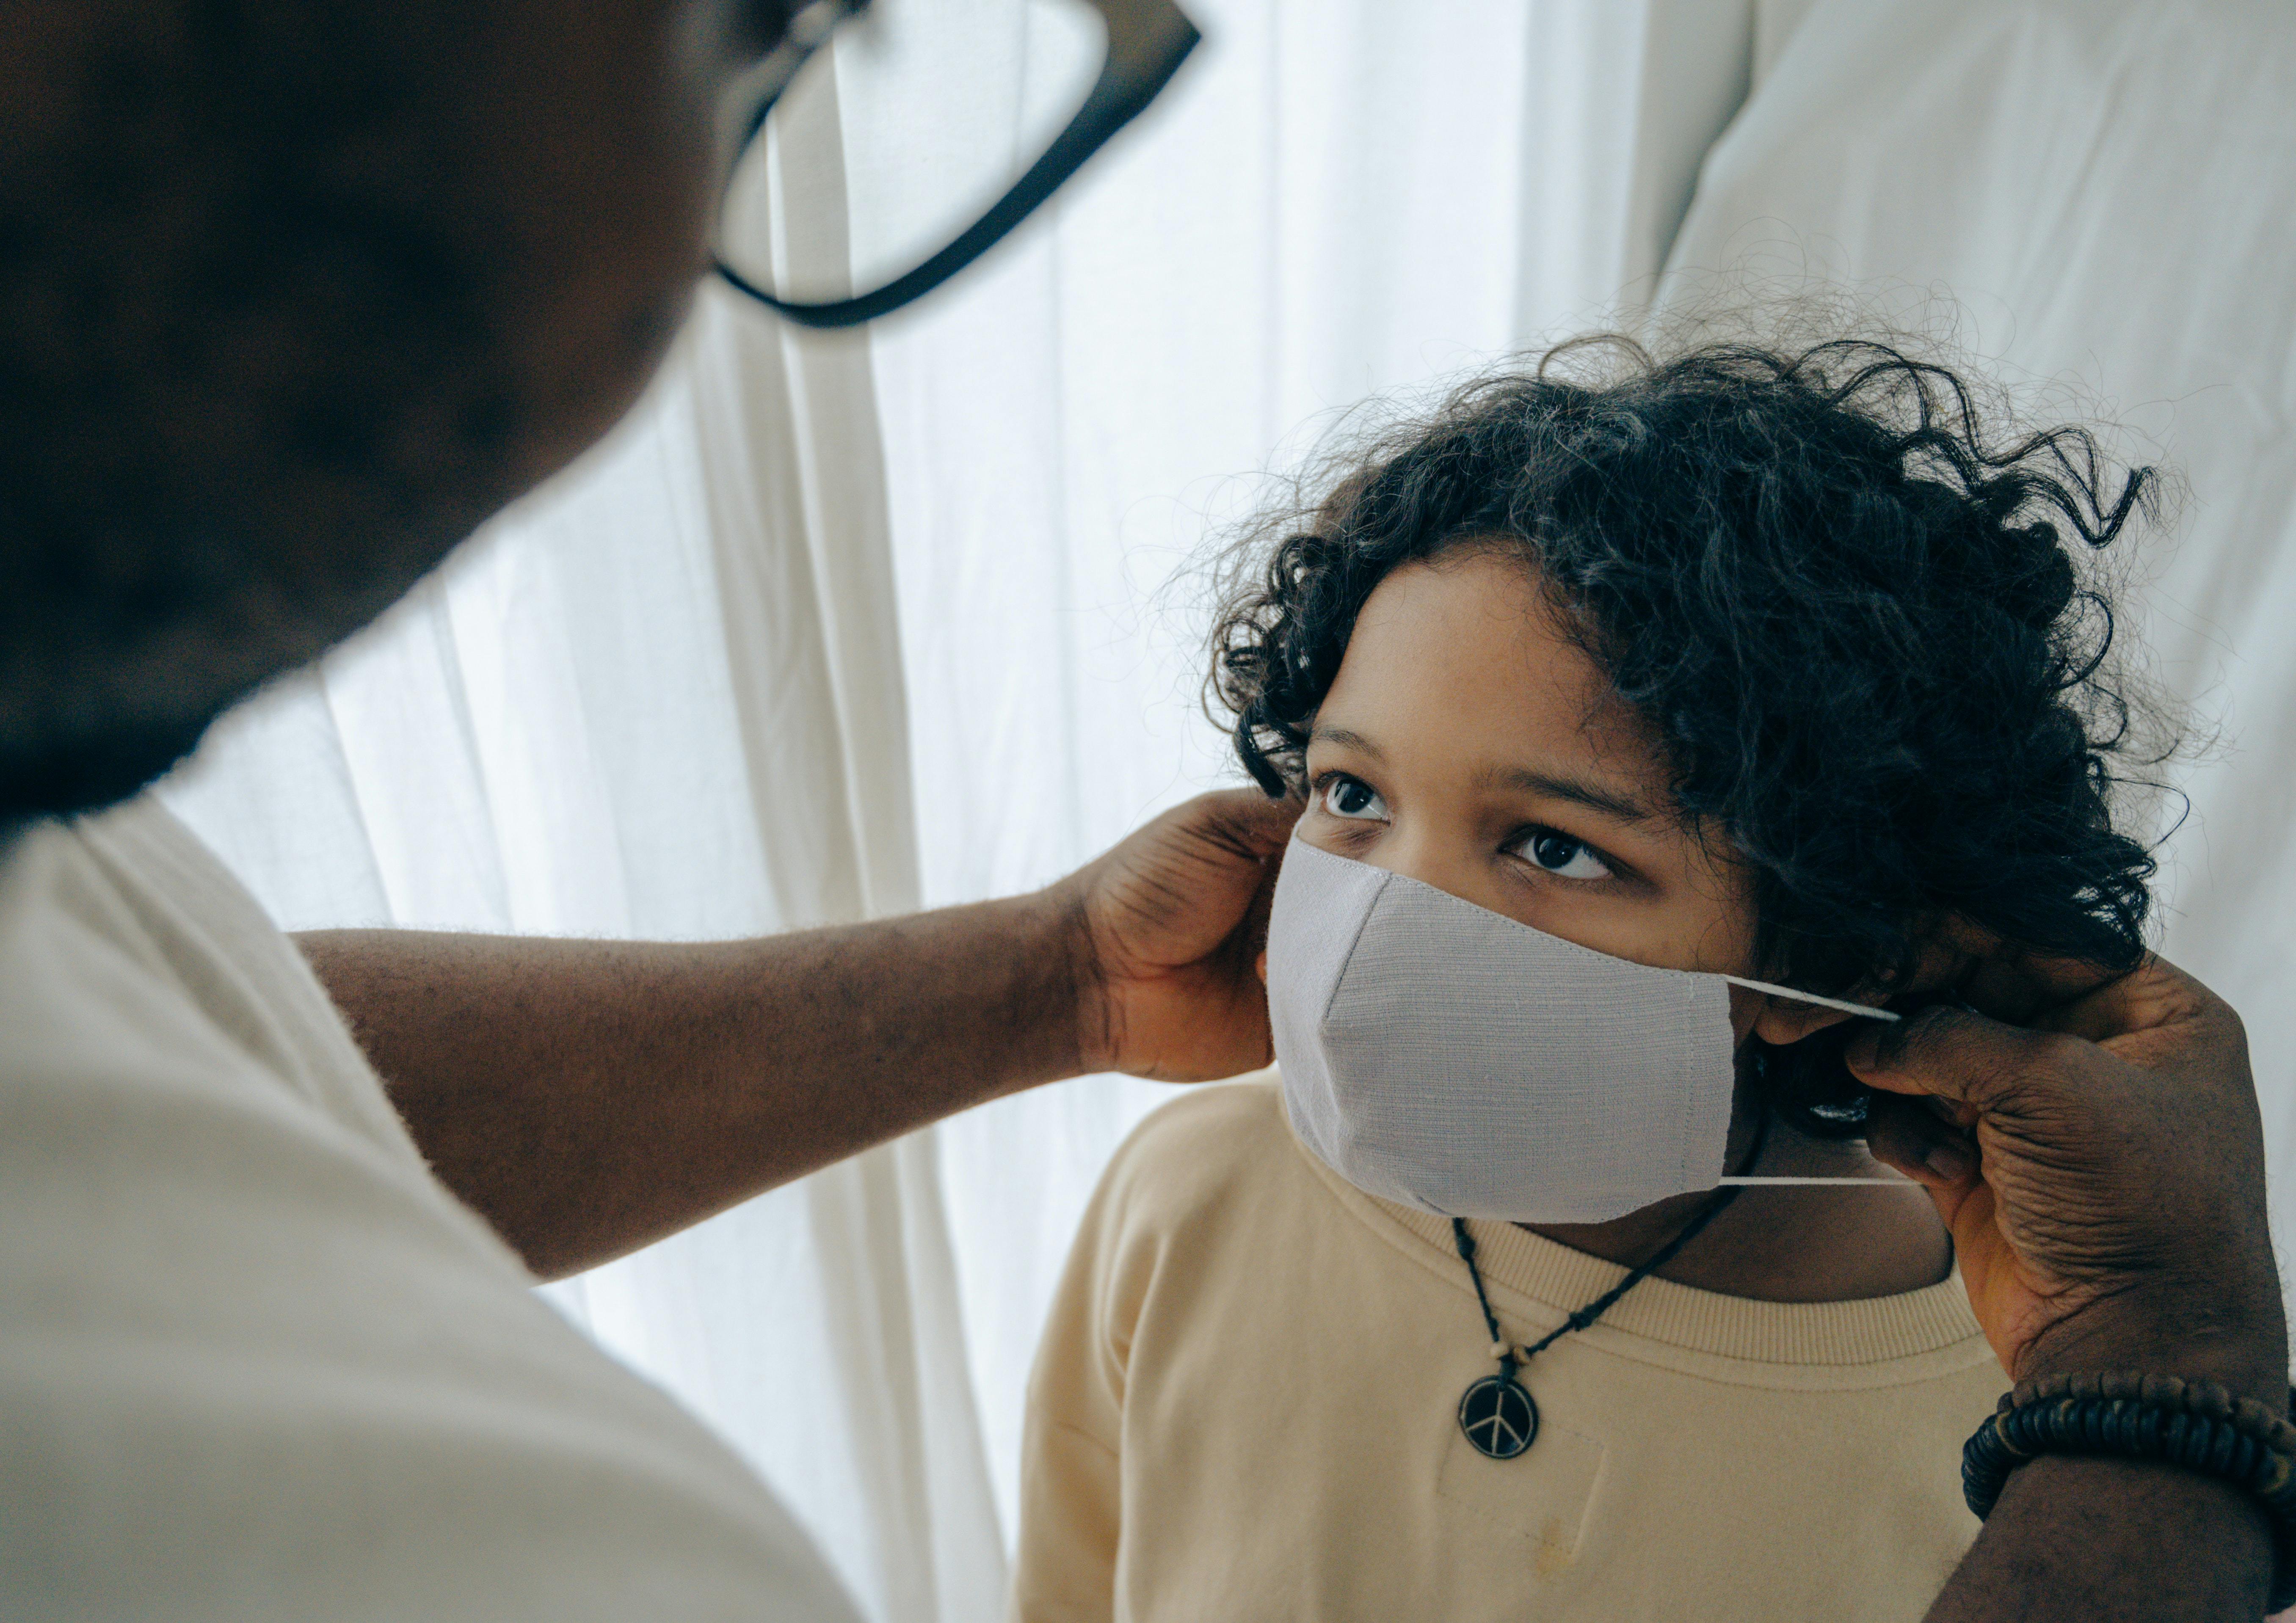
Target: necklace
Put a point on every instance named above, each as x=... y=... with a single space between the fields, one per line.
x=1496 y=1413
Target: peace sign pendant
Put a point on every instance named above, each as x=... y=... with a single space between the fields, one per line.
x=1499 y=1416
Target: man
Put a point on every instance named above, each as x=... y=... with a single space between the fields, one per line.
x=291 y=297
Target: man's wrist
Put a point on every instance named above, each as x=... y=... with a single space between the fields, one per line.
x=2205 y=1478
x=1008 y=968
x=1062 y=979
x=2199 y=1338
x=2215 y=1523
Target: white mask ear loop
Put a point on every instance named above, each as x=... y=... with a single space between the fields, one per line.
x=1866 y=1009
x=1893 y=1180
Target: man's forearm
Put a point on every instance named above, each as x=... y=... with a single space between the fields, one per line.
x=2114 y=1541
x=588 y=1097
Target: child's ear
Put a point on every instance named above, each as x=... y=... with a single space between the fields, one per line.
x=1783 y=1022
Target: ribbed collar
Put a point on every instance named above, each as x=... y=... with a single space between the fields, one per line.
x=1536 y=1283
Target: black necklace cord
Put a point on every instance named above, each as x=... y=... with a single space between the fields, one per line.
x=1501 y=1348
x=1586 y=1315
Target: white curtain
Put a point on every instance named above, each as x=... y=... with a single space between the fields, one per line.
x=836 y=626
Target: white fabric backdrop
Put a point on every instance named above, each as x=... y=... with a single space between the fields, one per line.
x=834 y=625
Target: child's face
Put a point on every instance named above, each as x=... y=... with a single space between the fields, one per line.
x=1468 y=743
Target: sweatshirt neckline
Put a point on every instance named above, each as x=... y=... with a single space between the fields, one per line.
x=1536 y=1283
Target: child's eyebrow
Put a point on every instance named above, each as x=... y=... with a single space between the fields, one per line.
x=1347 y=739
x=1578 y=790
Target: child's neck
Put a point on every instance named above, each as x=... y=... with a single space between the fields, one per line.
x=1822 y=1243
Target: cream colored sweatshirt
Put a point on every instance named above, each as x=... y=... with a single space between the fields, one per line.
x=1244 y=1409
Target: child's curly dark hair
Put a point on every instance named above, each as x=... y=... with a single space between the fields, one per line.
x=1856 y=620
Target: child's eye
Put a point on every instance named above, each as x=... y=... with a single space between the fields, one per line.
x=1352 y=798
x=1564 y=856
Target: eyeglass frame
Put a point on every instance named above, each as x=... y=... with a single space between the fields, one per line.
x=1147 y=41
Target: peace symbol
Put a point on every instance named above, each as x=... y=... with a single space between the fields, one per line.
x=1499 y=1416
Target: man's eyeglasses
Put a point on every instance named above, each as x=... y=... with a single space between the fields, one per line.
x=966 y=156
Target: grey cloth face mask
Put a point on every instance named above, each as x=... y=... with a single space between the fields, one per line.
x=1447 y=1058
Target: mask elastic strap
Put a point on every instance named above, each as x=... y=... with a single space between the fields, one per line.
x=1867 y=1010
x=1870 y=1013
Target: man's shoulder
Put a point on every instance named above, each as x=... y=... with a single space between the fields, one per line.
x=210 y=1278
x=138 y=922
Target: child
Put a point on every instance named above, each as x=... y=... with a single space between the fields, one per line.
x=1611 y=690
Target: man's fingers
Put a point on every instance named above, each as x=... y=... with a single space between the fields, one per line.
x=2018 y=986
x=1952 y=1053
x=1904 y=1135
x=1243 y=819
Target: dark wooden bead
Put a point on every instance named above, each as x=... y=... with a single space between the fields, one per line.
x=2172 y=1437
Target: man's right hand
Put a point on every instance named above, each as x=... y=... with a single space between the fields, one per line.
x=2102 y=1169
x=1168 y=928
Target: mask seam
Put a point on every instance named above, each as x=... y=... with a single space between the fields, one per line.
x=1348 y=959
x=1684 y=1101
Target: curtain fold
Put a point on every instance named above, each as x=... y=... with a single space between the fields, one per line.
x=1621 y=105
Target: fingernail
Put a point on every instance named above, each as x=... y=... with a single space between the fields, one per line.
x=1950 y=1162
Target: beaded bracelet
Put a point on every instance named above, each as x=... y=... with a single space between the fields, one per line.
x=2198 y=1424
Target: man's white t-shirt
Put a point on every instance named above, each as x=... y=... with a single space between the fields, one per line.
x=255 y=1363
